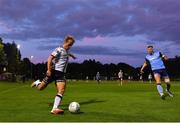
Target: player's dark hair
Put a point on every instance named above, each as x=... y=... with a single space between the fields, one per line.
x=149 y=46
x=69 y=37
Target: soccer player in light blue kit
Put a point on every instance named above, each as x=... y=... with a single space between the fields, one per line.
x=155 y=60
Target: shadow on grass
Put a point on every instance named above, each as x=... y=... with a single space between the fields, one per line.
x=91 y=101
x=78 y=113
x=65 y=106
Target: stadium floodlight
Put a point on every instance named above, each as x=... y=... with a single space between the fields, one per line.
x=31 y=57
x=18 y=46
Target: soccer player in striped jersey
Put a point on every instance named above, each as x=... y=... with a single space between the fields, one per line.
x=120 y=76
x=98 y=77
x=56 y=69
x=155 y=60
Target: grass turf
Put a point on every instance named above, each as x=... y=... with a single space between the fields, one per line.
x=104 y=102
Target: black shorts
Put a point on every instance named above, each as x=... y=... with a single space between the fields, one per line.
x=161 y=72
x=56 y=76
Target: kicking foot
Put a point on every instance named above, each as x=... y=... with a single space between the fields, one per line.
x=35 y=84
x=170 y=93
x=163 y=97
x=57 y=111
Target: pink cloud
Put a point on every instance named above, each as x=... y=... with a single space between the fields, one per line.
x=91 y=40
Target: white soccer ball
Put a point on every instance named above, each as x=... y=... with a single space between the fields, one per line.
x=74 y=107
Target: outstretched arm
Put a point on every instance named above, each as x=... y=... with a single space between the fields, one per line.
x=72 y=56
x=144 y=65
x=164 y=57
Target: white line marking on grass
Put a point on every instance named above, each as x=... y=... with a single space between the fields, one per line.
x=12 y=89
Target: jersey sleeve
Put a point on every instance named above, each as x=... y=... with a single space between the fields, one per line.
x=56 y=52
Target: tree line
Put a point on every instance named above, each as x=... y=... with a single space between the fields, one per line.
x=10 y=61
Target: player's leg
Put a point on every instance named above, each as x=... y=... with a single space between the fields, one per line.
x=157 y=78
x=61 y=86
x=168 y=84
x=35 y=83
x=98 y=80
x=40 y=85
x=121 y=81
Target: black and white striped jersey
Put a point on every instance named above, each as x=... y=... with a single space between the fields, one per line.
x=61 y=59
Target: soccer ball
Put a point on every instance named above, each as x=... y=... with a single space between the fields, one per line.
x=74 y=107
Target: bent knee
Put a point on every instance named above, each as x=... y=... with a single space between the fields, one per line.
x=61 y=91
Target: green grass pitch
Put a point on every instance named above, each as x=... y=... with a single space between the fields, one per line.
x=105 y=102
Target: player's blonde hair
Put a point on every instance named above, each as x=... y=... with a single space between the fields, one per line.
x=69 y=37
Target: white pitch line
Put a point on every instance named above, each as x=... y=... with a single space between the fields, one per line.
x=12 y=89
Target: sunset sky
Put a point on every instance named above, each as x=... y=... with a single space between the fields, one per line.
x=106 y=30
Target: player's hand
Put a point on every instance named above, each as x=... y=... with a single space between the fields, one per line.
x=48 y=73
x=74 y=57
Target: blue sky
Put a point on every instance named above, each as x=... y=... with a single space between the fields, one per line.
x=105 y=30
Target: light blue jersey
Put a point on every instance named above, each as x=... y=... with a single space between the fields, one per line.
x=155 y=61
